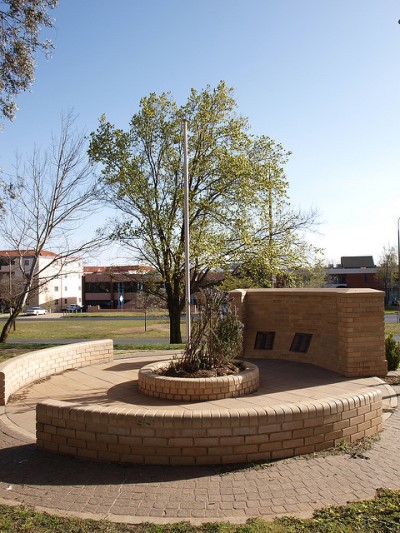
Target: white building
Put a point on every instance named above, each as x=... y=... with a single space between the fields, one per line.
x=59 y=281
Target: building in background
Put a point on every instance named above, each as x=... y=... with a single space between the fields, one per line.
x=354 y=272
x=122 y=287
x=116 y=287
x=58 y=282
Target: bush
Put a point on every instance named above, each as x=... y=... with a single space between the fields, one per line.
x=216 y=336
x=392 y=349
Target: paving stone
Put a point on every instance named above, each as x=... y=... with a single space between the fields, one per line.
x=291 y=486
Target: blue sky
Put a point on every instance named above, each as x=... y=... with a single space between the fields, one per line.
x=322 y=78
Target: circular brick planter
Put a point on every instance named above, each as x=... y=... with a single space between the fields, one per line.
x=197 y=389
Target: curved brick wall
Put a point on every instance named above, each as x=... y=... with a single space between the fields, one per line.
x=197 y=389
x=346 y=327
x=20 y=371
x=156 y=436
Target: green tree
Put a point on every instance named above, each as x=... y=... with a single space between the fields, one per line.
x=387 y=270
x=236 y=181
x=20 y=25
x=392 y=351
x=313 y=276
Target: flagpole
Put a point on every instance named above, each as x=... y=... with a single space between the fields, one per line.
x=186 y=228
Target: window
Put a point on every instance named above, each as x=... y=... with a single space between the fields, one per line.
x=56 y=302
x=264 y=340
x=65 y=289
x=100 y=286
x=26 y=262
x=65 y=300
x=6 y=262
x=125 y=286
x=301 y=342
x=55 y=289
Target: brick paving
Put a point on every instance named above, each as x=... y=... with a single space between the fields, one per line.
x=135 y=494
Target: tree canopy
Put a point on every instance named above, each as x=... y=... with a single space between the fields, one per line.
x=20 y=25
x=239 y=209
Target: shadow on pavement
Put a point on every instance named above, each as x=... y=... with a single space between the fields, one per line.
x=27 y=465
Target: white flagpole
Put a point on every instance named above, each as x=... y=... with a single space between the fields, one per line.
x=186 y=227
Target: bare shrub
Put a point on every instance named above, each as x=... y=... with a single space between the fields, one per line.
x=216 y=337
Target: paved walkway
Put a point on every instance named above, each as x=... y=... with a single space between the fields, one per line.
x=134 y=494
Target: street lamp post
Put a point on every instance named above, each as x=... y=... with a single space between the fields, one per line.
x=186 y=229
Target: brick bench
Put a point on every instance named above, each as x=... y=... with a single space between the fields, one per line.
x=20 y=371
x=131 y=434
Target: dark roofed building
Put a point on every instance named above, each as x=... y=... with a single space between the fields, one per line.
x=363 y=261
x=355 y=272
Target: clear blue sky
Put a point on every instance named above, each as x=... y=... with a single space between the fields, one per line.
x=322 y=78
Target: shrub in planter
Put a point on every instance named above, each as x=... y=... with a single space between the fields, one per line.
x=216 y=339
x=392 y=349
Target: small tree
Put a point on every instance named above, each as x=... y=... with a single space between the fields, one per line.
x=392 y=349
x=216 y=337
x=388 y=270
x=44 y=205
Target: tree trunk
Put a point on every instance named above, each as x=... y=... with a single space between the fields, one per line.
x=8 y=325
x=175 y=335
x=175 y=305
x=18 y=306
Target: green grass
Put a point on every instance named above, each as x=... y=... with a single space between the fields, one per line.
x=11 y=350
x=391 y=309
x=379 y=515
x=392 y=328
x=148 y=347
x=66 y=328
x=162 y=313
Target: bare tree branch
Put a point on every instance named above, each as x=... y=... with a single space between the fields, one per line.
x=45 y=203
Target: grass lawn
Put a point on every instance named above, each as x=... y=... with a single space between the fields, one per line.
x=11 y=350
x=162 y=313
x=382 y=514
x=67 y=328
x=392 y=328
